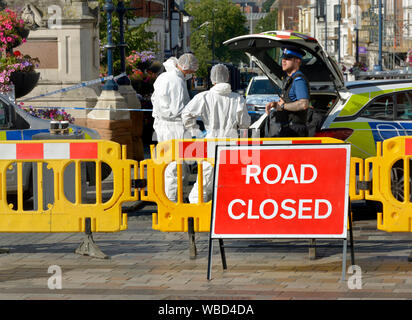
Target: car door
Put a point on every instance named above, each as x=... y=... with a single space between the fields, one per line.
x=380 y=114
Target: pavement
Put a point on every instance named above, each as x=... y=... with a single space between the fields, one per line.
x=146 y=264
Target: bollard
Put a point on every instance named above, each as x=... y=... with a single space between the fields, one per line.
x=191 y=232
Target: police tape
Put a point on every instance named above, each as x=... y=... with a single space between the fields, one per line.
x=119 y=109
x=83 y=108
x=77 y=86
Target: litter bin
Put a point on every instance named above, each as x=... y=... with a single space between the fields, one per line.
x=69 y=174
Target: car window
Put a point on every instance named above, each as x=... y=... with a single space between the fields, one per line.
x=404 y=106
x=3 y=113
x=381 y=108
x=263 y=86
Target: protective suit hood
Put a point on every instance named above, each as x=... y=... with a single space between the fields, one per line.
x=222 y=88
x=170 y=64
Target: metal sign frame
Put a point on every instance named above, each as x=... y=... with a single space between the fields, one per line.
x=274 y=146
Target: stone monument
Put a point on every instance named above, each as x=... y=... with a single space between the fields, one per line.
x=64 y=36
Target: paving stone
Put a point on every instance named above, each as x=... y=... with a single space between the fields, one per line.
x=147 y=264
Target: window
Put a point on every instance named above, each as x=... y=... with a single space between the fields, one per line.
x=381 y=108
x=3 y=115
x=263 y=87
x=404 y=106
x=336 y=12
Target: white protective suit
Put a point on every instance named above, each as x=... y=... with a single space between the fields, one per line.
x=223 y=112
x=169 y=98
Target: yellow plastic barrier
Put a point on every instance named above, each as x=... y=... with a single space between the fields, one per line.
x=63 y=215
x=391 y=183
x=356 y=176
x=174 y=216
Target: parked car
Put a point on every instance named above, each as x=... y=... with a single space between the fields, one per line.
x=17 y=124
x=360 y=112
x=259 y=92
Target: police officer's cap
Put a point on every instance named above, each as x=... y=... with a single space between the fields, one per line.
x=292 y=52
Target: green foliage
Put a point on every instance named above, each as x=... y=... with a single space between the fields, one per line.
x=266 y=5
x=268 y=23
x=229 y=22
x=136 y=37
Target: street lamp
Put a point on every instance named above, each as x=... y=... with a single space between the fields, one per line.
x=379 y=66
x=357 y=32
x=339 y=18
x=202 y=25
x=206 y=23
x=110 y=84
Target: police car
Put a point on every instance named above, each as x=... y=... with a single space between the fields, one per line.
x=17 y=124
x=259 y=92
x=359 y=112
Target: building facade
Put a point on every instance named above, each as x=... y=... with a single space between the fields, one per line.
x=349 y=29
x=170 y=23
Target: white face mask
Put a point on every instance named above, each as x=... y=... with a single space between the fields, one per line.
x=188 y=76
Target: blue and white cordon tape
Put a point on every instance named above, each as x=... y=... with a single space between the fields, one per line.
x=77 y=86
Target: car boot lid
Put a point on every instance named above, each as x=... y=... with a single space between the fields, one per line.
x=265 y=50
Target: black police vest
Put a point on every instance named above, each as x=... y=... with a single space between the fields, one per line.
x=285 y=116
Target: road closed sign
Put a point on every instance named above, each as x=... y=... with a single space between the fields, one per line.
x=283 y=191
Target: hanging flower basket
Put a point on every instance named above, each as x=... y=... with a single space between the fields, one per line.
x=24 y=82
x=140 y=72
x=16 y=69
x=24 y=33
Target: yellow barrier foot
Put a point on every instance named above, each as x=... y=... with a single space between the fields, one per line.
x=312 y=249
x=88 y=247
x=2 y=250
x=192 y=244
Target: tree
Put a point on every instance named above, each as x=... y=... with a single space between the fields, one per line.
x=218 y=20
x=136 y=37
x=268 y=23
x=266 y=5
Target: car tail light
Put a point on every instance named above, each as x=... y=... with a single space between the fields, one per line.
x=341 y=133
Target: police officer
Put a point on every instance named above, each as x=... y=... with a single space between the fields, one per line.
x=291 y=115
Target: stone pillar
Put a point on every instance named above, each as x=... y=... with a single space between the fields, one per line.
x=111 y=119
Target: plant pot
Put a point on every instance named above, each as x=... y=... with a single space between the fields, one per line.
x=141 y=87
x=24 y=82
x=24 y=33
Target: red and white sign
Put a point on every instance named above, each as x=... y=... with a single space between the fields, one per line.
x=288 y=191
